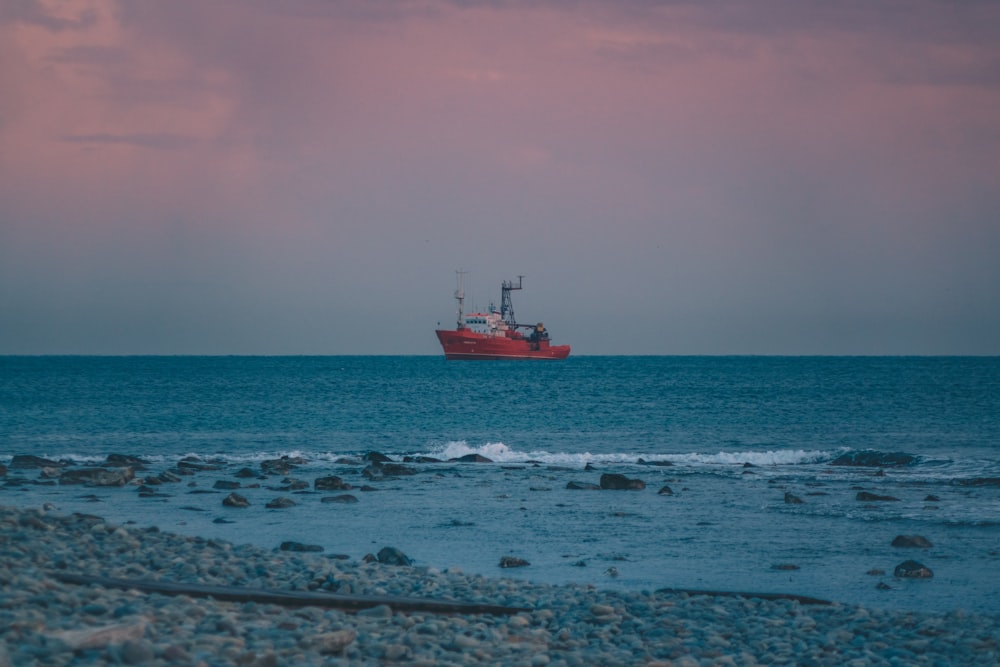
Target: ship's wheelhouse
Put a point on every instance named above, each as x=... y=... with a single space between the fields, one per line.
x=489 y=324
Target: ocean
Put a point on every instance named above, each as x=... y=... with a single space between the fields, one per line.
x=723 y=445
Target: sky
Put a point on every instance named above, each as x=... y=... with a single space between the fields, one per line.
x=780 y=177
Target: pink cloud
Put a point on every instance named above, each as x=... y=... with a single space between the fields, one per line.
x=313 y=132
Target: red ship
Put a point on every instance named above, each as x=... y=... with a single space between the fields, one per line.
x=494 y=334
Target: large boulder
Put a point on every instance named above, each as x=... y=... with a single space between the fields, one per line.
x=617 y=482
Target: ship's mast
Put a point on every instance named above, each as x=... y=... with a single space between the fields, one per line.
x=506 y=305
x=460 y=297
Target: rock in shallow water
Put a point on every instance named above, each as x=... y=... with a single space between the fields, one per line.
x=618 y=482
x=28 y=461
x=331 y=483
x=583 y=486
x=978 y=481
x=869 y=458
x=393 y=556
x=97 y=476
x=915 y=541
x=344 y=498
x=471 y=458
x=911 y=569
x=513 y=561
x=299 y=547
x=235 y=500
x=874 y=497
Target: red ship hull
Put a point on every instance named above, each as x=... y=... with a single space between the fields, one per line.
x=466 y=344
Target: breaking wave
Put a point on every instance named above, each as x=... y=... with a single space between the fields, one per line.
x=501 y=453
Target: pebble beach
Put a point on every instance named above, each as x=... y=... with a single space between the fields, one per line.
x=46 y=621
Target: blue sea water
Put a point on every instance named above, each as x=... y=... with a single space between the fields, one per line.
x=729 y=436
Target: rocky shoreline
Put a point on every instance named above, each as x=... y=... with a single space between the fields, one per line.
x=46 y=621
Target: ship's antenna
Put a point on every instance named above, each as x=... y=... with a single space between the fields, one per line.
x=460 y=296
x=506 y=305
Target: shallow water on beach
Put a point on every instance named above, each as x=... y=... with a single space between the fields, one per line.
x=737 y=433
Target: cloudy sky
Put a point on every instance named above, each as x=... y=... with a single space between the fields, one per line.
x=304 y=177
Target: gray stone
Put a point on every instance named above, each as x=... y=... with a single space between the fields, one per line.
x=873 y=459
x=874 y=497
x=300 y=547
x=393 y=556
x=329 y=643
x=912 y=541
x=331 y=483
x=344 y=498
x=125 y=461
x=911 y=569
x=583 y=486
x=617 y=482
x=471 y=458
x=98 y=476
x=383 y=470
x=194 y=464
x=235 y=500
x=137 y=652
x=28 y=461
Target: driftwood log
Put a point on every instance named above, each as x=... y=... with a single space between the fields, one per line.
x=291 y=598
x=357 y=602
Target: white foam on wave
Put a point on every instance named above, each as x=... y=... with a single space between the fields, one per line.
x=765 y=458
x=501 y=453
